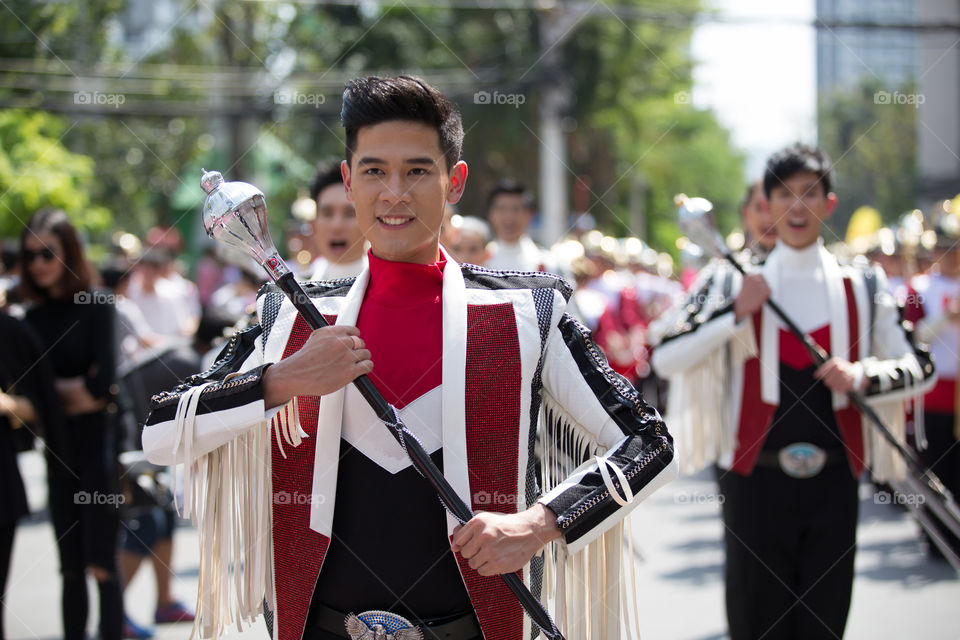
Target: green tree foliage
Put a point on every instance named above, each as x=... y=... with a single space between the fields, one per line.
x=75 y=31
x=628 y=120
x=635 y=121
x=871 y=136
x=37 y=170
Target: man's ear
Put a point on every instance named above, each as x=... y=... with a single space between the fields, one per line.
x=458 y=180
x=831 y=203
x=345 y=173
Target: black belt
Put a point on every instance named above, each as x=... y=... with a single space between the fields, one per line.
x=463 y=627
x=771 y=459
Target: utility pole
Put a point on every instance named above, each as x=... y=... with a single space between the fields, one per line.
x=556 y=20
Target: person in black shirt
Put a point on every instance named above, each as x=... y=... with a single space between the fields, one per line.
x=27 y=408
x=76 y=327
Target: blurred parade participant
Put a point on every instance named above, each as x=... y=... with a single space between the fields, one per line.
x=758 y=223
x=449 y=341
x=338 y=238
x=28 y=407
x=888 y=253
x=637 y=298
x=76 y=325
x=170 y=307
x=717 y=276
x=789 y=443
x=933 y=305
x=469 y=237
x=590 y=302
x=510 y=212
x=447 y=231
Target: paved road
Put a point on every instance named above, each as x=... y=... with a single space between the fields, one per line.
x=678 y=532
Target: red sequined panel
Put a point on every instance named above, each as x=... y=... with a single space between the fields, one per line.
x=298 y=550
x=493 y=431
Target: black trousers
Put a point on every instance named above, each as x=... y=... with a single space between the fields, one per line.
x=790 y=546
x=84 y=490
x=942 y=455
x=6 y=551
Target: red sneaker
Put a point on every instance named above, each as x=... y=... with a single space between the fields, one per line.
x=173 y=612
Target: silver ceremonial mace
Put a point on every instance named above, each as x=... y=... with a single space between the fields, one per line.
x=695 y=217
x=235 y=213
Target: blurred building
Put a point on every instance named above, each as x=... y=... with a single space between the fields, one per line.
x=899 y=42
x=847 y=54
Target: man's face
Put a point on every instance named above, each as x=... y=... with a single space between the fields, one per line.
x=336 y=232
x=799 y=206
x=398 y=181
x=757 y=220
x=509 y=216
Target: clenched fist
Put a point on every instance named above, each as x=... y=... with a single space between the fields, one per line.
x=331 y=358
x=753 y=294
x=496 y=543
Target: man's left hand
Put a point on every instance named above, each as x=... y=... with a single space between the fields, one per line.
x=496 y=543
x=841 y=376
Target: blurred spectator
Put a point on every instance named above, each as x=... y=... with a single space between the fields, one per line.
x=209 y=275
x=167 y=300
x=28 y=407
x=75 y=324
x=148 y=363
x=239 y=298
x=134 y=334
x=10 y=276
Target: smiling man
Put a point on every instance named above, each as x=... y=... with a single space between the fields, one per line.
x=789 y=444
x=507 y=393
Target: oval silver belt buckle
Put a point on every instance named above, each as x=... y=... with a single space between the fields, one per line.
x=380 y=625
x=802 y=460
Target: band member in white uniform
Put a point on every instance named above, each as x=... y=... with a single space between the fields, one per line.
x=790 y=445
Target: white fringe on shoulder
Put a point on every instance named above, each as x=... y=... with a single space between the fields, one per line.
x=228 y=496
x=590 y=596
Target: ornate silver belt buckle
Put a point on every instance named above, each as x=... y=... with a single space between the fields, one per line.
x=802 y=460
x=381 y=625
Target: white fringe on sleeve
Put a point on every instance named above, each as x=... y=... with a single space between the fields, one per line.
x=228 y=496
x=883 y=460
x=588 y=590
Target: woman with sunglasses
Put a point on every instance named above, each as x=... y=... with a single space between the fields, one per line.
x=76 y=326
